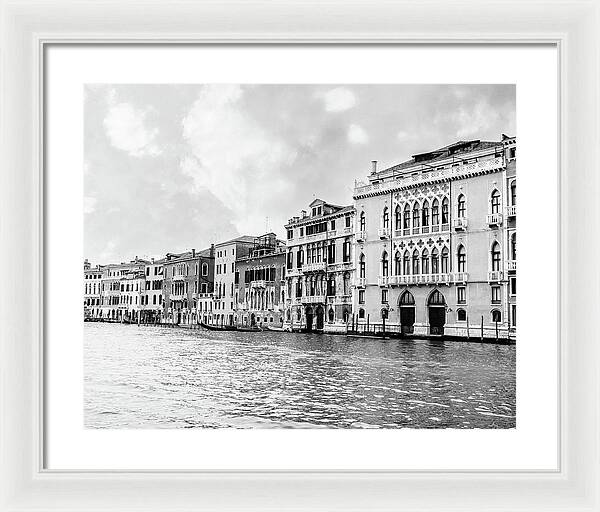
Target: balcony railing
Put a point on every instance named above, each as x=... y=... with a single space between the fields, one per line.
x=314 y=267
x=383 y=280
x=361 y=236
x=261 y=283
x=360 y=282
x=384 y=232
x=293 y=272
x=313 y=299
x=177 y=296
x=339 y=267
x=495 y=275
x=429 y=176
x=341 y=299
x=494 y=219
x=348 y=230
x=511 y=211
x=511 y=265
x=404 y=280
x=459 y=277
x=178 y=278
x=460 y=224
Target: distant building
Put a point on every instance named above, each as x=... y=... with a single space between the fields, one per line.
x=188 y=281
x=320 y=268
x=132 y=285
x=91 y=290
x=436 y=244
x=112 y=307
x=226 y=253
x=152 y=296
x=259 y=283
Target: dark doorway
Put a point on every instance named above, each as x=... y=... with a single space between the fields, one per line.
x=320 y=317
x=252 y=320
x=309 y=318
x=407 y=313
x=437 y=313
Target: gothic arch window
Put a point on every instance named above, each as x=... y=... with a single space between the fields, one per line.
x=415 y=262
x=407 y=299
x=362 y=221
x=361 y=313
x=496 y=316
x=406 y=263
x=435 y=213
x=384 y=264
x=445 y=210
x=445 y=260
x=461 y=315
x=425 y=214
x=362 y=266
x=204 y=269
x=513 y=192
x=435 y=261
x=495 y=201
x=461 y=258
x=425 y=262
x=461 y=209
x=436 y=299
x=513 y=247
x=406 y=216
x=385 y=218
x=495 y=255
x=416 y=215
x=397 y=218
x=397 y=263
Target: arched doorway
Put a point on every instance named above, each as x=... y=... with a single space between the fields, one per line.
x=320 y=317
x=309 y=318
x=252 y=320
x=407 y=313
x=436 y=304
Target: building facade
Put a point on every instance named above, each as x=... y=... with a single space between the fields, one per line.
x=132 y=284
x=224 y=300
x=259 y=284
x=112 y=307
x=91 y=290
x=433 y=242
x=320 y=268
x=152 y=296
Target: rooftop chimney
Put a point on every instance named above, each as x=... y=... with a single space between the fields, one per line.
x=303 y=212
x=193 y=253
x=373 y=166
x=212 y=250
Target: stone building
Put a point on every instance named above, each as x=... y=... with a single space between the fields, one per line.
x=188 y=280
x=226 y=254
x=112 y=308
x=319 y=268
x=435 y=245
x=152 y=296
x=91 y=290
x=132 y=284
x=259 y=283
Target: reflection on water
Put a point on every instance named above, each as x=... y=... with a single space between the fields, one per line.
x=154 y=377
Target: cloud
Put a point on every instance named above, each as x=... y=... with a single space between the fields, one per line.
x=126 y=129
x=339 y=99
x=89 y=204
x=234 y=157
x=357 y=135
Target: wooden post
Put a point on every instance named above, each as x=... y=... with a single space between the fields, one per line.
x=368 y=321
x=467 y=325
x=496 y=331
x=481 y=327
x=383 y=319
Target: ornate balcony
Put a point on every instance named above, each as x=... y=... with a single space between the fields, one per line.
x=383 y=280
x=459 y=277
x=384 y=233
x=511 y=211
x=313 y=299
x=261 y=283
x=460 y=224
x=494 y=219
x=293 y=272
x=360 y=282
x=404 y=280
x=341 y=299
x=511 y=265
x=495 y=276
x=339 y=267
x=177 y=296
x=361 y=236
x=348 y=230
x=314 y=267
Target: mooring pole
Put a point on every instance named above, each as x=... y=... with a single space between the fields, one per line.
x=481 y=327
x=368 y=321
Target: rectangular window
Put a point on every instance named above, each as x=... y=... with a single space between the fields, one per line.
x=290 y=234
x=461 y=295
x=496 y=295
x=333 y=225
x=348 y=220
x=301 y=231
x=361 y=296
x=513 y=315
x=203 y=285
x=513 y=285
x=233 y=267
x=384 y=296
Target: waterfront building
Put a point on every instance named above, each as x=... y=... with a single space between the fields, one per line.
x=91 y=290
x=258 y=280
x=226 y=253
x=132 y=284
x=320 y=268
x=152 y=296
x=111 y=307
x=435 y=243
x=188 y=283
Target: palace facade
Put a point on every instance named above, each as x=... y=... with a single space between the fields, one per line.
x=91 y=290
x=260 y=283
x=435 y=244
x=319 y=268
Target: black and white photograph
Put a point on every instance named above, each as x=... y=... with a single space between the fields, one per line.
x=291 y=256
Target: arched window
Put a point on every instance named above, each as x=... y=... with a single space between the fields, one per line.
x=385 y=220
x=300 y=257
x=407 y=299
x=406 y=263
x=461 y=315
x=462 y=206
x=362 y=266
x=406 y=216
x=436 y=299
x=425 y=214
x=361 y=313
x=204 y=269
x=496 y=316
x=495 y=256
x=330 y=314
x=435 y=261
x=397 y=218
x=435 y=213
x=513 y=247
x=416 y=216
x=415 y=262
x=425 y=262
x=384 y=264
x=331 y=287
x=346 y=283
x=445 y=210
x=445 y=260
x=495 y=201
x=362 y=221
x=513 y=193
x=397 y=264
x=462 y=258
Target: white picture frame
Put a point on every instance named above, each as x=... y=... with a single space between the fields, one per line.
x=27 y=28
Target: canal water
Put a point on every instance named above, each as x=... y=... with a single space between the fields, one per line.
x=157 y=377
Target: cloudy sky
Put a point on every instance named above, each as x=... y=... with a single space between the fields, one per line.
x=171 y=167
